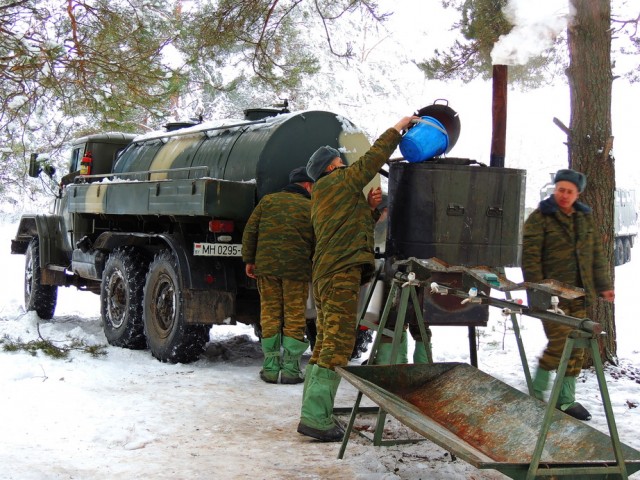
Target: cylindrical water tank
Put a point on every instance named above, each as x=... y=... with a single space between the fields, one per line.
x=263 y=150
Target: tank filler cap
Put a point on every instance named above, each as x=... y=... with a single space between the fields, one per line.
x=173 y=126
x=260 y=113
x=253 y=114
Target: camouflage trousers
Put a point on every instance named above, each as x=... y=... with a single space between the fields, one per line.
x=336 y=298
x=282 y=306
x=557 y=336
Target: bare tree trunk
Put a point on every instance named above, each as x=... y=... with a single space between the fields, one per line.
x=590 y=143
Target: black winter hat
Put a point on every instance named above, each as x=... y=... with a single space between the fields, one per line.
x=298 y=175
x=320 y=160
x=568 y=175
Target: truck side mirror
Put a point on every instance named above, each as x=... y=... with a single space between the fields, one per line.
x=50 y=170
x=34 y=166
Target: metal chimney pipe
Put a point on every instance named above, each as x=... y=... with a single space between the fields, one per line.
x=499 y=116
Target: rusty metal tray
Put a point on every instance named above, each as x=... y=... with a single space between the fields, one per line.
x=482 y=420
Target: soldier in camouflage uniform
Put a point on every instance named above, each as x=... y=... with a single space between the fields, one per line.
x=561 y=243
x=343 y=260
x=277 y=246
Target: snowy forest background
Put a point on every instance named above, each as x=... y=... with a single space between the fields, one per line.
x=83 y=67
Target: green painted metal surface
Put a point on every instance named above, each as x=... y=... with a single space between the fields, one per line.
x=263 y=152
x=199 y=197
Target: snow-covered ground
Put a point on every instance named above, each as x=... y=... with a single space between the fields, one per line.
x=126 y=415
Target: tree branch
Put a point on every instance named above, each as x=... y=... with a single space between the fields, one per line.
x=562 y=127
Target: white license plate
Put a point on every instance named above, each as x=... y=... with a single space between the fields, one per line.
x=217 y=249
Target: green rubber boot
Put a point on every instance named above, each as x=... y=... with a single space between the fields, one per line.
x=307 y=376
x=541 y=383
x=271 y=365
x=383 y=355
x=316 y=415
x=420 y=353
x=567 y=400
x=293 y=350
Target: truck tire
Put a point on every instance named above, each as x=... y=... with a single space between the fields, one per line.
x=618 y=252
x=169 y=338
x=363 y=339
x=627 y=250
x=121 y=293
x=37 y=297
x=257 y=330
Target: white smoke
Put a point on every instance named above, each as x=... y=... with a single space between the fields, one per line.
x=536 y=26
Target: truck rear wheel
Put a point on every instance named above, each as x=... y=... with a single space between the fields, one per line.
x=121 y=299
x=169 y=338
x=38 y=297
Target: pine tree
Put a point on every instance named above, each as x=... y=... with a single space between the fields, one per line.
x=589 y=74
x=589 y=135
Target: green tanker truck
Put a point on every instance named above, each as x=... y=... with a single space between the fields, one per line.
x=153 y=223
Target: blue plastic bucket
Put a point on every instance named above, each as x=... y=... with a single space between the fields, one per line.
x=427 y=139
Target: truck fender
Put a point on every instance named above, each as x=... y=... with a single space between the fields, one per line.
x=192 y=269
x=109 y=241
x=179 y=250
x=54 y=244
x=26 y=231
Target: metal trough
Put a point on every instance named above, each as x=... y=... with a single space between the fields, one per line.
x=486 y=422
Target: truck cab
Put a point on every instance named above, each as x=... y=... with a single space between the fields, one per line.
x=625 y=223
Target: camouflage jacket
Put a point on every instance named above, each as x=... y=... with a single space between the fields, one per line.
x=564 y=247
x=278 y=237
x=342 y=220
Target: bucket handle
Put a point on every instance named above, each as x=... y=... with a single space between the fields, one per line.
x=431 y=124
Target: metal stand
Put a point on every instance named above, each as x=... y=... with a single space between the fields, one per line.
x=406 y=283
x=516 y=330
x=584 y=335
x=523 y=356
x=578 y=339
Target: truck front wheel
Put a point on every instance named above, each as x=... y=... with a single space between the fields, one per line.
x=38 y=297
x=169 y=338
x=121 y=299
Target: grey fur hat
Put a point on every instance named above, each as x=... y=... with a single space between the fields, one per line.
x=568 y=175
x=320 y=160
x=298 y=175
